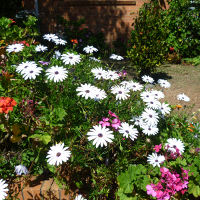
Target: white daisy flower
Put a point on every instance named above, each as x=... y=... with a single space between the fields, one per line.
x=149 y=130
x=57 y=54
x=183 y=97
x=50 y=37
x=99 y=73
x=90 y=49
x=150 y=116
x=86 y=91
x=59 y=41
x=111 y=75
x=56 y=73
x=138 y=121
x=128 y=131
x=147 y=79
x=173 y=143
x=80 y=197
x=157 y=94
x=40 y=47
x=164 y=108
x=155 y=159
x=135 y=86
x=164 y=83
x=21 y=169
x=25 y=65
x=130 y=85
x=94 y=59
x=99 y=94
x=146 y=96
x=3 y=189
x=58 y=154
x=70 y=58
x=100 y=136
x=31 y=72
x=120 y=92
x=14 y=48
x=153 y=103
x=116 y=57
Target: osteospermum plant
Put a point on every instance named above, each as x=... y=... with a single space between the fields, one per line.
x=68 y=111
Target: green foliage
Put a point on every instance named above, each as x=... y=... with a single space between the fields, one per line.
x=147 y=45
x=195 y=61
x=194 y=183
x=132 y=181
x=10 y=31
x=183 y=27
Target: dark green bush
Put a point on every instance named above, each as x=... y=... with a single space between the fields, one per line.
x=148 y=47
x=182 y=19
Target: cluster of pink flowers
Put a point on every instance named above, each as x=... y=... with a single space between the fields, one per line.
x=122 y=74
x=112 y=121
x=169 y=184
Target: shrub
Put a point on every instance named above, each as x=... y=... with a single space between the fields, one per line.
x=183 y=27
x=148 y=47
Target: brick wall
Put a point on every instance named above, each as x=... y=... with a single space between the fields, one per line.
x=112 y=17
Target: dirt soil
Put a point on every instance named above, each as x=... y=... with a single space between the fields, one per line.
x=184 y=79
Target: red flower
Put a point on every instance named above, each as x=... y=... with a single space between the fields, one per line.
x=12 y=20
x=74 y=41
x=171 y=48
x=21 y=42
x=7 y=104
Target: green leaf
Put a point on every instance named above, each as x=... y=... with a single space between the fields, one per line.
x=45 y=138
x=60 y=113
x=194 y=189
x=123 y=196
x=125 y=182
x=51 y=168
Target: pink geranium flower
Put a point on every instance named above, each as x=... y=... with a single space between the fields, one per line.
x=116 y=123
x=151 y=191
x=104 y=122
x=112 y=114
x=157 y=148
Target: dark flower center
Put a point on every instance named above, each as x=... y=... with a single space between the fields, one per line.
x=87 y=91
x=100 y=135
x=149 y=129
x=174 y=146
x=127 y=131
x=150 y=116
x=58 y=154
x=56 y=72
x=70 y=57
x=156 y=160
x=120 y=92
x=31 y=72
x=26 y=66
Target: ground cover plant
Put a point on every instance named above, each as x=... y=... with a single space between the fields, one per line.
x=68 y=115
